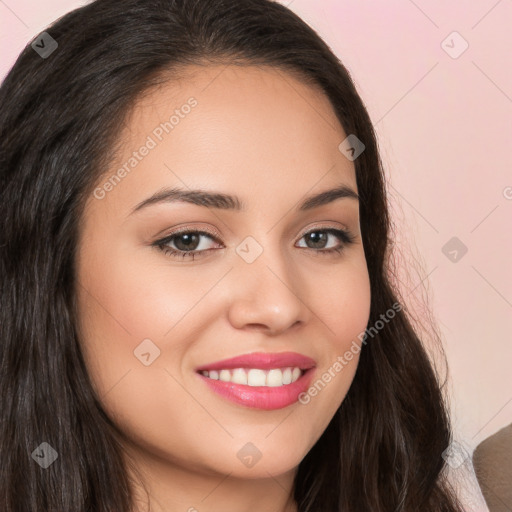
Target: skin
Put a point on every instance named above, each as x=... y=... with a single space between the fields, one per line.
x=270 y=139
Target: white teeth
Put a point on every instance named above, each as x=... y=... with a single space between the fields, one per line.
x=255 y=377
x=274 y=378
x=225 y=375
x=239 y=376
x=287 y=376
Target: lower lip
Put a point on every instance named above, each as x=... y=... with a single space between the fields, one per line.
x=261 y=397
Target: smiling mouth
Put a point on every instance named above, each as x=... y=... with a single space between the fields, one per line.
x=274 y=377
x=256 y=388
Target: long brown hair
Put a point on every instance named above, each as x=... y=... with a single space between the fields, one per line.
x=382 y=451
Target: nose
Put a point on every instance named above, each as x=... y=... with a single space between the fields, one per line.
x=265 y=295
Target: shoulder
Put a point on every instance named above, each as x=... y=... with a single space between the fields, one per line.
x=492 y=462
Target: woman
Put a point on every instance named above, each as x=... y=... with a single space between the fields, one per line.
x=197 y=311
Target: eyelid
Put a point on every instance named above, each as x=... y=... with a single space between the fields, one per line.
x=191 y=229
x=321 y=226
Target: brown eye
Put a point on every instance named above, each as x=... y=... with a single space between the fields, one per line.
x=185 y=244
x=187 y=241
x=318 y=239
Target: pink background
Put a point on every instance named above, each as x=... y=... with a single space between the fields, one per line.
x=444 y=126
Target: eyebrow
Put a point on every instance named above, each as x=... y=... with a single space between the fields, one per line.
x=228 y=202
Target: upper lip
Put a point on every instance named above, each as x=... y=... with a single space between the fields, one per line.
x=262 y=360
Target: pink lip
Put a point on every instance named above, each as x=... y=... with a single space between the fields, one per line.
x=263 y=361
x=262 y=397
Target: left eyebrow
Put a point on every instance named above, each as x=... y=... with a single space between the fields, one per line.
x=228 y=202
x=328 y=196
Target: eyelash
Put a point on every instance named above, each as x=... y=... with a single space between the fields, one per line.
x=345 y=236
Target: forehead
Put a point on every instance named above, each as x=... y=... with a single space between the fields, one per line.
x=248 y=128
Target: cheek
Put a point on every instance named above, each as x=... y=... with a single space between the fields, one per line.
x=344 y=303
x=344 y=309
x=123 y=302
x=133 y=297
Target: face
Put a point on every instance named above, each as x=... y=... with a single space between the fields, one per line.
x=178 y=283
